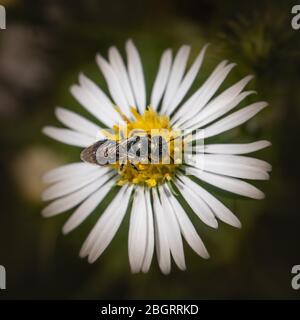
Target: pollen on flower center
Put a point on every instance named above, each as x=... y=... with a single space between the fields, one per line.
x=149 y=174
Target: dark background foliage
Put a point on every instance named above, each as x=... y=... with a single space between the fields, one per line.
x=45 y=46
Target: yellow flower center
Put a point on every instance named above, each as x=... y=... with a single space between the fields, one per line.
x=148 y=174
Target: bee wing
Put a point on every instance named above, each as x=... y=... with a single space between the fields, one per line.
x=89 y=154
x=107 y=151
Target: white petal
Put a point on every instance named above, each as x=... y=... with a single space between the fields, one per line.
x=69 y=136
x=73 y=199
x=229 y=184
x=87 y=207
x=84 y=97
x=65 y=187
x=114 y=87
x=136 y=74
x=240 y=160
x=150 y=234
x=161 y=239
x=223 y=100
x=109 y=212
x=221 y=212
x=223 y=110
x=235 y=166
x=118 y=65
x=176 y=75
x=242 y=148
x=173 y=230
x=200 y=208
x=233 y=120
x=77 y=122
x=137 y=238
x=187 y=82
x=199 y=99
x=188 y=230
x=181 y=112
x=219 y=106
x=103 y=103
x=108 y=224
x=68 y=171
x=235 y=170
x=161 y=78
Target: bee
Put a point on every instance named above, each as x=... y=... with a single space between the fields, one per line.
x=133 y=150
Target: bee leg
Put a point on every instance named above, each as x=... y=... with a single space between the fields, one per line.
x=134 y=166
x=122 y=136
x=121 y=167
x=171 y=157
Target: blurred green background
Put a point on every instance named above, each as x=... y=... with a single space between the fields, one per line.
x=45 y=46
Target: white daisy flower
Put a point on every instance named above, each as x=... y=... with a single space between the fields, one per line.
x=157 y=219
